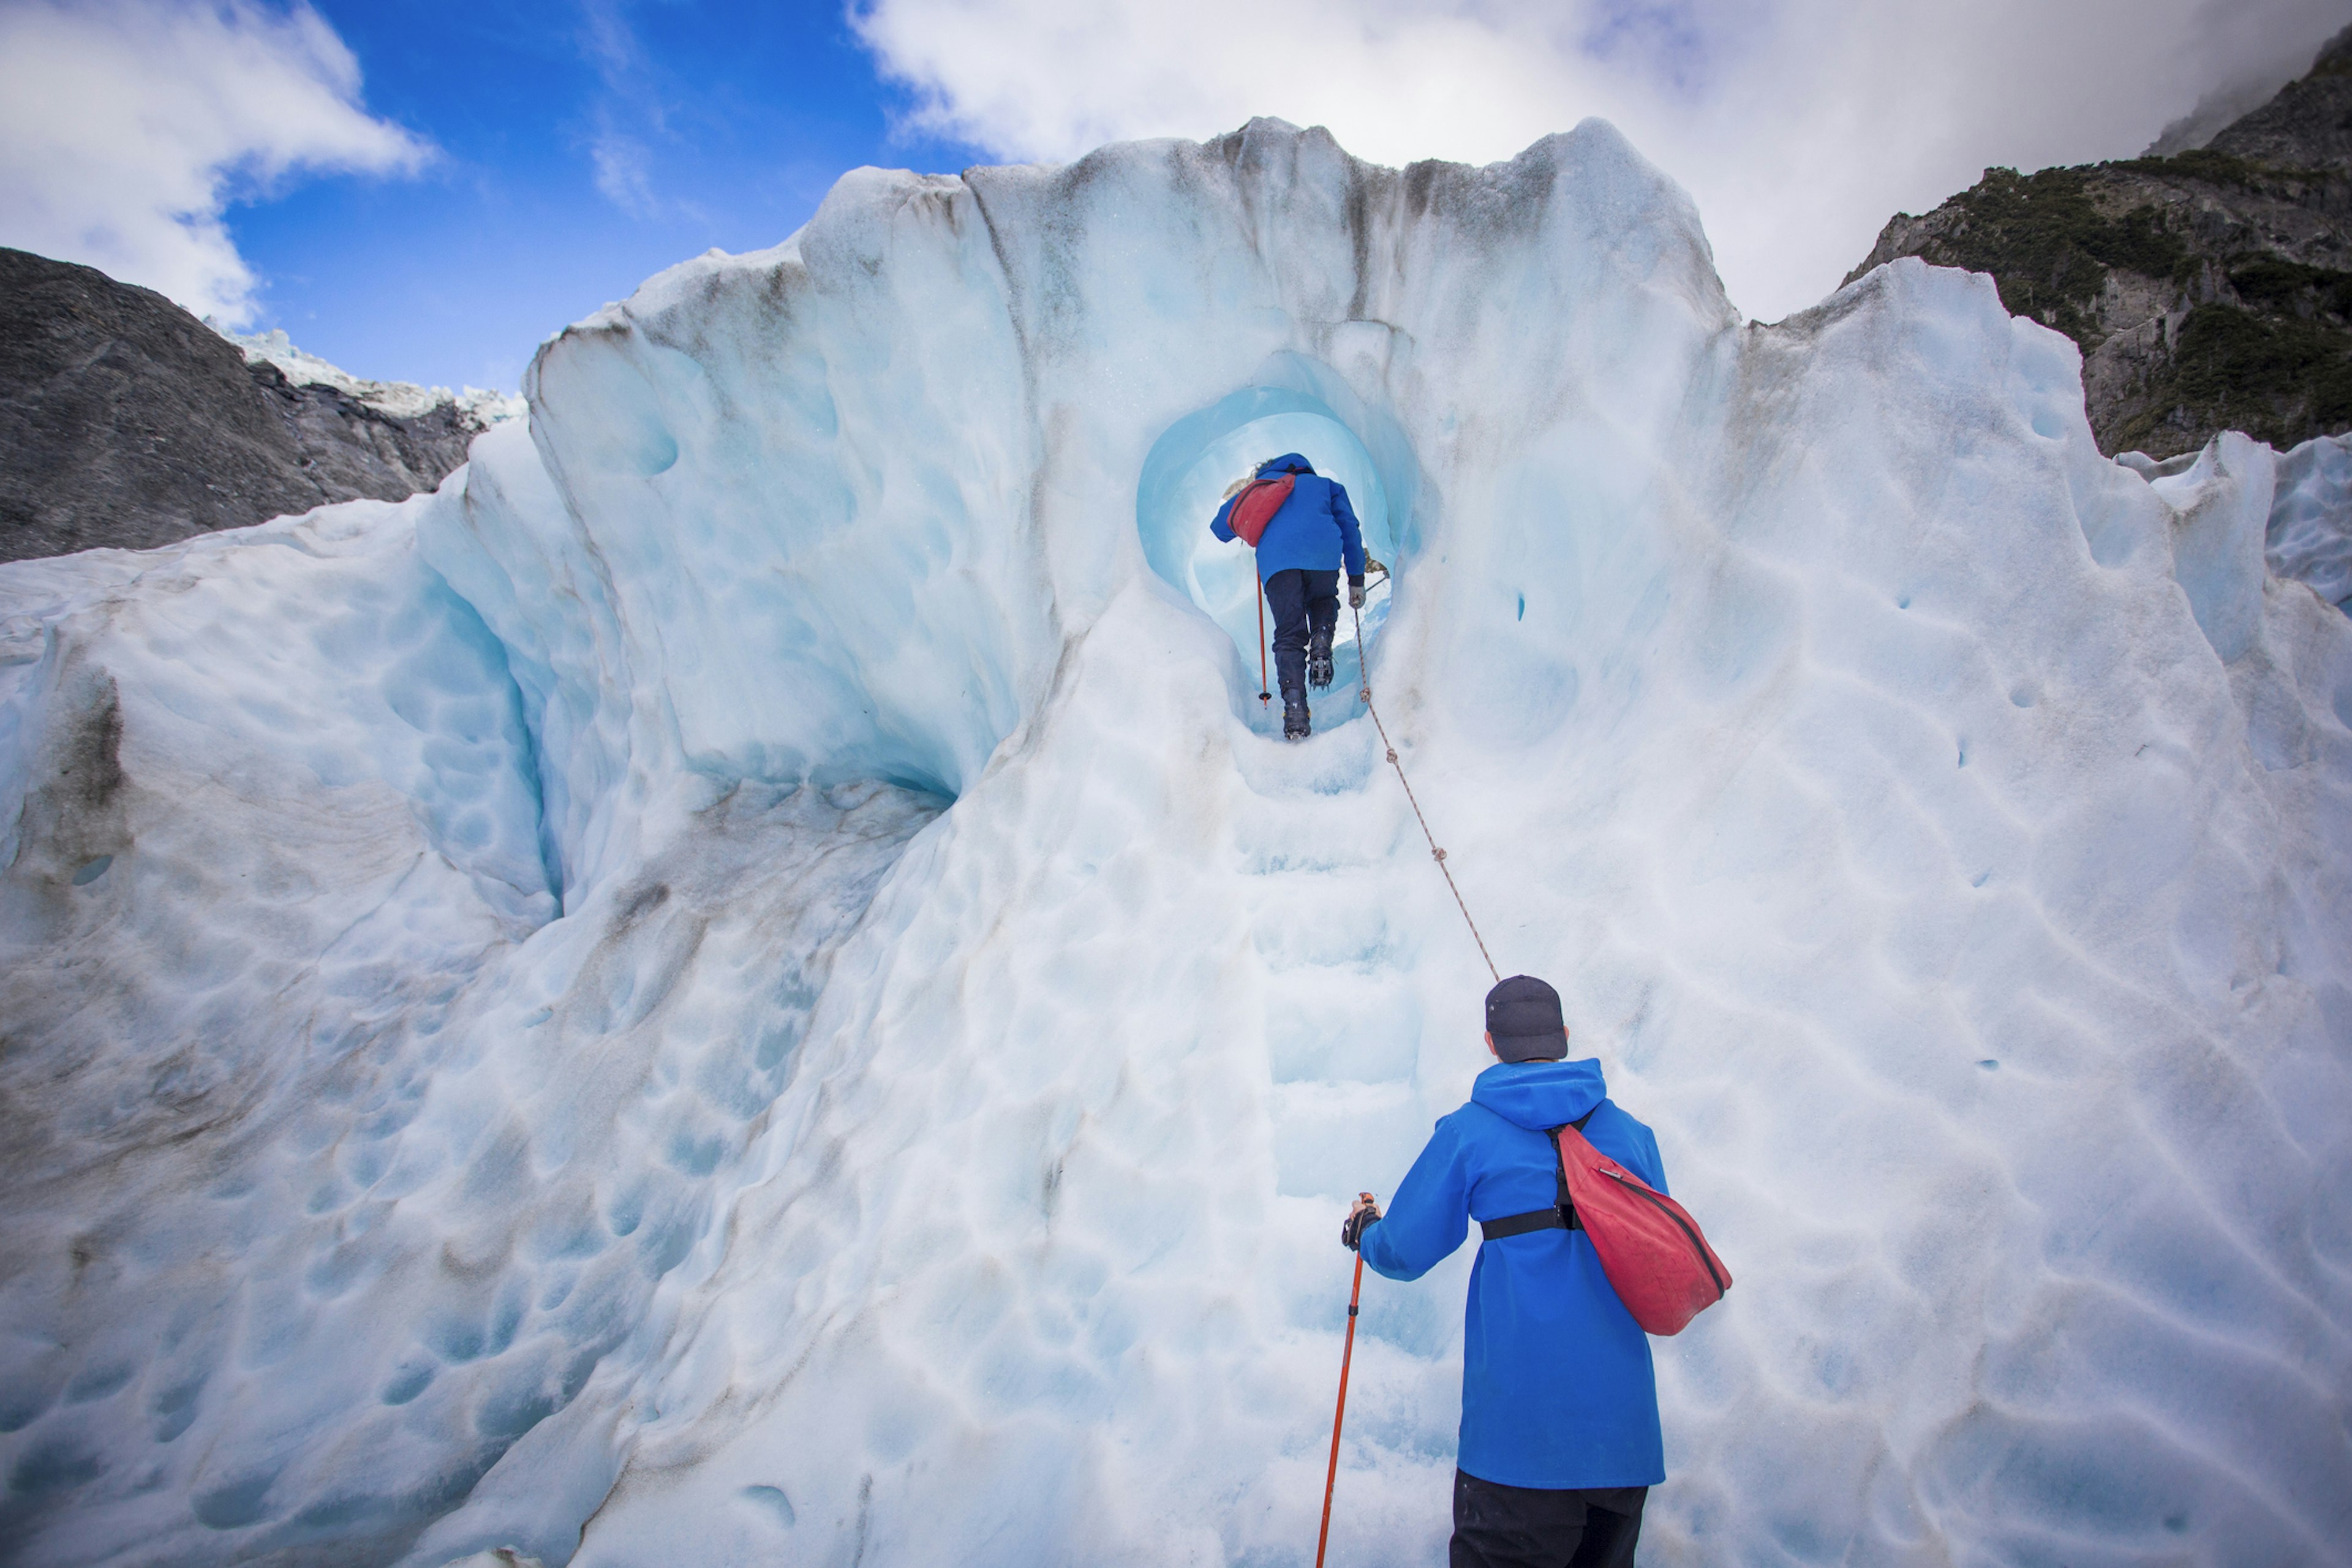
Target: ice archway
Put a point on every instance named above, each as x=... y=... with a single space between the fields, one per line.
x=1184 y=479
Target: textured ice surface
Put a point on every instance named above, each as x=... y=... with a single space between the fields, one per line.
x=507 y=1050
x=2310 y=529
x=2309 y=534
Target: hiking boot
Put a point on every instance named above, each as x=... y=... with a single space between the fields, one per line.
x=1290 y=674
x=1319 y=661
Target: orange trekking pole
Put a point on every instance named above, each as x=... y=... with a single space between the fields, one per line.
x=1263 y=696
x=1347 y=1354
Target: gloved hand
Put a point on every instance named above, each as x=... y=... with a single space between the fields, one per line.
x=1355 y=593
x=1366 y=1212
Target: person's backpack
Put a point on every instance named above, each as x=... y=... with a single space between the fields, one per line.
x=1255 y=507
x=1649 y=1246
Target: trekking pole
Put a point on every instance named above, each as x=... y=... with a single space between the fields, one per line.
x=1364 y=669
x=1347 y=1354
x=1263 y=696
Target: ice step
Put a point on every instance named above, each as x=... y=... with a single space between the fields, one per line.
x=1329 y=1138
x=1317 y=855
x=1321 y=927
x=1331 y=1027
x=1324 y=838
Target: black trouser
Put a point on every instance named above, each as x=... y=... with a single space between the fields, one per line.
x=1302 y=601
x=1523 y=1527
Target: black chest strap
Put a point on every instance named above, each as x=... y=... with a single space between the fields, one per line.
x=1561 y=1216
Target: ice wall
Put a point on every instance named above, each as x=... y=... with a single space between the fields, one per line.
x=905 y=1115
x=2309 y=533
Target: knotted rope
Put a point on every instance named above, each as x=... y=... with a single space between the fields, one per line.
x=1364 y=669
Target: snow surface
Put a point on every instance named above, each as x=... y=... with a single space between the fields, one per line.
x=405 y=399
x=745 y=983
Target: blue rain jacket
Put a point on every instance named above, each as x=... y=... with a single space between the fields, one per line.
x=1315 y=529
x=1557 y=1385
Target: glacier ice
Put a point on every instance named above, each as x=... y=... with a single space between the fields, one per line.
x=403 y=399
x=2309 y=531
x=745 y=981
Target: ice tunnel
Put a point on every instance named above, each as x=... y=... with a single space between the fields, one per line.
x=1184 y=480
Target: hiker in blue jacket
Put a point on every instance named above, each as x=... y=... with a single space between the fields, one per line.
x=1298 y=559
x=1560 y=1440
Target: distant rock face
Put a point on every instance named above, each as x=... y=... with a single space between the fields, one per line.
x=125 y=421
x=2208 y=290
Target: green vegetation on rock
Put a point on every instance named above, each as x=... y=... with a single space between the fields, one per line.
x=2049 y=249
x=2279 y=285
x=2212 y=168
x=2272 y=377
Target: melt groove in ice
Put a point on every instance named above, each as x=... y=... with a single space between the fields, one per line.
x=745 y=983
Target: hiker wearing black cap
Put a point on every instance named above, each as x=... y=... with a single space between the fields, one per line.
x=1560 y=1440
x=1304 y=542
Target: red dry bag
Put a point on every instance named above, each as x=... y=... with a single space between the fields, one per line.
x=1649 y=1246
x=1255 y=507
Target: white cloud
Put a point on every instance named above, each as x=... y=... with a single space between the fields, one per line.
x=1800 y=126
x=126 y=125
x=623 y=169
x=630 y=117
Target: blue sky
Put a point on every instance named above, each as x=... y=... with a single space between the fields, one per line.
x=712 y=125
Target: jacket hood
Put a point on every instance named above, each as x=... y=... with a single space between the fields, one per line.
x=1540 y=1095
x=1288 y=463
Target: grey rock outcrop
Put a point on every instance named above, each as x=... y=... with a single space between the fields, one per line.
x=126 y=421
x=2209 y=290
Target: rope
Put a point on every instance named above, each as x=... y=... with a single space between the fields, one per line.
x=1364 y=669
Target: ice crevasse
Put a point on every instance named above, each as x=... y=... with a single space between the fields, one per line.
x=749 y=982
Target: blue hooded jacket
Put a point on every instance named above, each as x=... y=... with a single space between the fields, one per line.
x=1556 y=1387
x=1314 y=529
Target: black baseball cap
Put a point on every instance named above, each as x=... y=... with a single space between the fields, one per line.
x=1523 y=1015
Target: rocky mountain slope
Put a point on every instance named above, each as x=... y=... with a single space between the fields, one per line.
x=2210 y=289
x=125 y=421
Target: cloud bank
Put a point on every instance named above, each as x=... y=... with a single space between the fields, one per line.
x=127 y=126
x=1800 y=126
